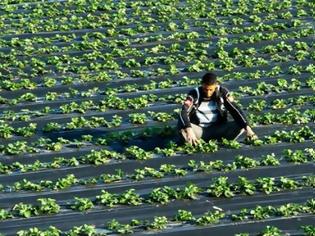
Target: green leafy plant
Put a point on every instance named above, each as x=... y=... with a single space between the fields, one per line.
x=183 y=215
x=221 y=187
x=267 y=184
x=159 y=223
x=82 y=204
x=24 y=210
x=48 y=206
x=137 y=153
x=210 y=218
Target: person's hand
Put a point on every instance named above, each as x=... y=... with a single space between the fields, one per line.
x=250 y=134
x=191 y=137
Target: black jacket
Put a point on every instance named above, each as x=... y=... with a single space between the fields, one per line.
x=194 y=99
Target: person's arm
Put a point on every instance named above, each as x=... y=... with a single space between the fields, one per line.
x=237 y=113
x=186 y=108
x=184 y=118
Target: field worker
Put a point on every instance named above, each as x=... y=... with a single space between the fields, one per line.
x=204 y=114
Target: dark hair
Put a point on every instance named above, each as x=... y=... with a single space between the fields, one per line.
x=209 y=78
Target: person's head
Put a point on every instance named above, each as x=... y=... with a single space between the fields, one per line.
x=209 y=83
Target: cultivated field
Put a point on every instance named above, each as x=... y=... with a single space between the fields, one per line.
x=90 y=92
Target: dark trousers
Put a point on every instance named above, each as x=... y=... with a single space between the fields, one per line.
x=229 y=130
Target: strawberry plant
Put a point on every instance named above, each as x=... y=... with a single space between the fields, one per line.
x=210 y=218
x=271 y=231
x=115 y=226
x=107 y=198
x=309 y=230
x=270 y=160
x=231 y=143
x=65 y=182
x=4 y=214
x=130 y=197
x=6 y=131
x=48 y=206
x=53 y=231
x=159 y=196
x=260 y=213
x=82 y=204
x=138 y=118
x=190 y=192
x=159 y=223
x=245 y=162
x=137 y=153
x=267 y=185
x=183 y=215
x=295 y=156
x=221 y=187
x=85 y=229
x=160 y=116
x=245 y=186
x=286 y=183
x=24 y=210
x=27 y=131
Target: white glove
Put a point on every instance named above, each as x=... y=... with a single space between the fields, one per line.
x=191 y=137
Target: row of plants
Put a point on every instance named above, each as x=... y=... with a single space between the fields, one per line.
x=175 y=53
x=111 y=101
x=258 y=105
x=47 y=144
x=193 y=61
x=289 y=116
x=219 y=187
x=103 y=156
x=281 y=85
x=23 y=147
x=7 y=131
x=184 y=217
x=9 y=84
x=150 y=85
x=165 y=170
x=37 y=63
x=51 y=82
x=308 y=230
x=276 y=70
x=146 y=15
x=193 y=48
x=12 y=6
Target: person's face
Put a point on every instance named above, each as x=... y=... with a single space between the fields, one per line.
x=209 y=89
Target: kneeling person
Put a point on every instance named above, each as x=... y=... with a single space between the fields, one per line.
x=204 y=114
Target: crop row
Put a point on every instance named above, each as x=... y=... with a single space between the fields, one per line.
x=38 y=9
x=102 y=76
x=194 y=61
x=153 y=55
x=307 y=230
x=288 y=116
x=219 y=187
x=257 y=105
x=160 y=13
x=245 y=57
x=240 y=162
x=183 y=42
x=184 y=217
x=23 y=147
x=112 y=101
